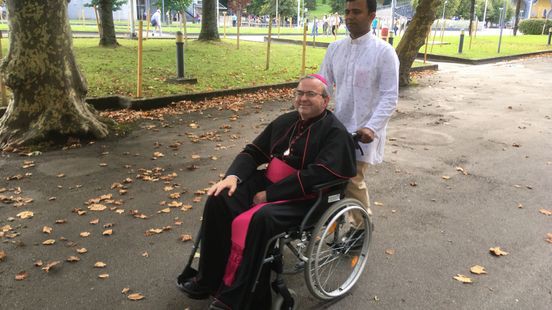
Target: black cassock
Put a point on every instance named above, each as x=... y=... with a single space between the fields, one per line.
x=321 y=150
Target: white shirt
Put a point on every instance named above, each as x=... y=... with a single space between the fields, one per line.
x=365 y=73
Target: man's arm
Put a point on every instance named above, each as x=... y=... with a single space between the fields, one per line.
x=388 y=90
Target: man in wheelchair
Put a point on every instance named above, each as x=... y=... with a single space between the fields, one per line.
x=303 y=149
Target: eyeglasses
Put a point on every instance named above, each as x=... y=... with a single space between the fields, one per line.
x=309 y=94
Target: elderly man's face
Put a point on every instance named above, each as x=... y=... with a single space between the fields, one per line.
x=308 y=100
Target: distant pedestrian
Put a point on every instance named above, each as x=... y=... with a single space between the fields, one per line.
x=314 y=27
x=156 y=23
x=234 y=20
x=374 y=26
x=325 y=25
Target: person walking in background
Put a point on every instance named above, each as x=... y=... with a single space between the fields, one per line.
x=365 y=73
x=156 y=22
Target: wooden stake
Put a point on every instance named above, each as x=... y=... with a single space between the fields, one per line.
x=268 y=43
x=304 y=50
x=139 y=78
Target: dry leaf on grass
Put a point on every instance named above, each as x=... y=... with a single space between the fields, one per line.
x=462 y=278
x=478 y=269
x=100 y=265
x=497 y=251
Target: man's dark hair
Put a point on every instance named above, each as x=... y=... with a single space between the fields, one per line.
x=370 y=4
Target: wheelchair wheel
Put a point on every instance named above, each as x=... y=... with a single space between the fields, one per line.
x=338 y=250
x=279 y=301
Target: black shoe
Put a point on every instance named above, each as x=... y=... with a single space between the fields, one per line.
x=193 y=289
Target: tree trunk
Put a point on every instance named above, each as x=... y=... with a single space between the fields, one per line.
x=40 y=68
x=472 y=13
x=209 y=30
x=516 y=23
x=107 y=35
x=414 y=37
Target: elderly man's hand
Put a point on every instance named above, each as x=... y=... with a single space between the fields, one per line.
x=260 y=197
x=366 y=135
x=230 y=182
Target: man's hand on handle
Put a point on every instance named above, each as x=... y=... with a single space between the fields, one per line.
x=230 y=182
x=366 y=135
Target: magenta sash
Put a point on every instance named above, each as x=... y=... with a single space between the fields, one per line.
x=276 y=171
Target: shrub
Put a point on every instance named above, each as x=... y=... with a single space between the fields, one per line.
x=534 y=26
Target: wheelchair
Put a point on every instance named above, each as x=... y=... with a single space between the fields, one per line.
x=331 y=250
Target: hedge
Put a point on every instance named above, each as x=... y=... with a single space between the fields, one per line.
x=534 y=26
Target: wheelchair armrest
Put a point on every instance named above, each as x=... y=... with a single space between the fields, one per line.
x=321 y=189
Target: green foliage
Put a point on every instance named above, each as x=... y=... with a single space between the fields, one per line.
x=175 y=5
x=310 y=4
x=285 y=7
x=534 y=26
x=338 y=6
x=117 y=4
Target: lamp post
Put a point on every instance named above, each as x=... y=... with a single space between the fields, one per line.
x=298 y=11
x=443 y=20
x=501 y=21
x=485 y=13
x=442 y=28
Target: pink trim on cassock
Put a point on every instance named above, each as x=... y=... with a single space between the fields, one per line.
x=277 y=170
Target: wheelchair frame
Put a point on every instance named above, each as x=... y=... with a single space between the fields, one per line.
x=329 y=207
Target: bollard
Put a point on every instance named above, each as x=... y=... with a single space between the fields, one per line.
x=179 y=55
x=391 y=38
x=549 y=35
x=461 y=44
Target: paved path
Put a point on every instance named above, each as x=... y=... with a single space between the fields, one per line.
x=493 y=121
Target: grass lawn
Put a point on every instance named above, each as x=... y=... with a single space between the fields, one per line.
x=482 y=46
x=215 y=65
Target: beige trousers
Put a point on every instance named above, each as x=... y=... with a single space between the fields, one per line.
x=358 y=190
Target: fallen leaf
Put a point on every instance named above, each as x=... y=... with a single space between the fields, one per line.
x=49 y=242
x=61 y=221
x=197 y=199
x=166 y=210
x=390 y=251
x=82 y=250
x=478 y=269
x=21 y=276
x=462 y=278
x=125 y=290
x=25 y=214
x=445 y=177
x=103 y=276
x=545 y=211
x=497 y=251
x=47 y=229
x=84 y=234
x=185 y=237
x=50 y=265
x=377 y=203
x=195 y=156
x=174 y=195
x=103 y=165
x=145 y=254
x=97 y=207
x=175 y=204
x=120 y=211
x=52 y=198
x=186 y=207
x=549 y=237
x=168 y=188
x=73 y=259
x=413 y=184
x=100 y=265
x=38 y=263
x=108 y=232
x=2 y=255
x=158 y=154
x=520 y=206
x=94 y=221
x=135 y=296
x=61 y=175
